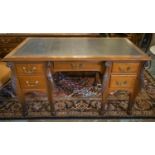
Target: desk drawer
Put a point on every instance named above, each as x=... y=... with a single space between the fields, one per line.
x=125 y=67
x=78 y=66
x=122 y=81
x=29 y=69
x=32 y=82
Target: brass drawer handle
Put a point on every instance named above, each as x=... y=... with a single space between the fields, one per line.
x=29 y=70
x=128 y=68
x=121 y=83
x=80 y=66
x=76 y=66
x=124 y=70
x=32 y=84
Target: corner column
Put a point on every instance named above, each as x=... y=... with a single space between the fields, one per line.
x=50 y=86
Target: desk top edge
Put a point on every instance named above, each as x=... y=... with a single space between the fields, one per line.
x=142 y=55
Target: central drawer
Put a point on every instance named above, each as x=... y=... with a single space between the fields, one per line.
x=32 y=82
x=78 y=66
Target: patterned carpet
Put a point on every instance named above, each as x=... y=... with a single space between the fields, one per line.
x=38 y=106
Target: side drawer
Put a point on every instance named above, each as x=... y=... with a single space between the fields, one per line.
x=28 y=69
x=32 y=82
x=122 y=81
x=78 y=66
x=125 y=68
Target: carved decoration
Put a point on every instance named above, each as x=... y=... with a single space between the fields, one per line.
x=49 y=73
x=142 y=76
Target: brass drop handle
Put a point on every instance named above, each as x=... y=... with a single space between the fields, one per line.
x=32 y=84
x=80 y=65
x=29 y=70
x=128 y=68
x=74 y=65
x=121 y=83
x=123 y=69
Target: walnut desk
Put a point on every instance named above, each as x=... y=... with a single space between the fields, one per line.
x=119 y=61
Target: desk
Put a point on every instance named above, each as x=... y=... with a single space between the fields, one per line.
x=118 y=60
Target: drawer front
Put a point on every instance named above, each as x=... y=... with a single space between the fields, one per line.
x=29 y=69
x=125 y=68
x=32 y=82
x=78 y=66
x=122 y=81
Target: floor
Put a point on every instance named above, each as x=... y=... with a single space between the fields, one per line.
x=80 y=120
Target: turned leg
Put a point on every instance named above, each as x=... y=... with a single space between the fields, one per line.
x=21 y=98
x=50 y=99
x=16 y=87
x=139 y=84
x=104 y=103
x=24 y=108
x=130 y=104
x=132 y=97
x=50 y=85
x=105 y=86
x=97 y=78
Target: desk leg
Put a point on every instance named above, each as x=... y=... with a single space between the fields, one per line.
x=131 y=103
x=97 y=77
x=16 y=87
x=24 y=105
x=105 y=86
x=104 y=102
x=50 y=85
x=21 y=98
x=50 y=96
x=139 y=85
